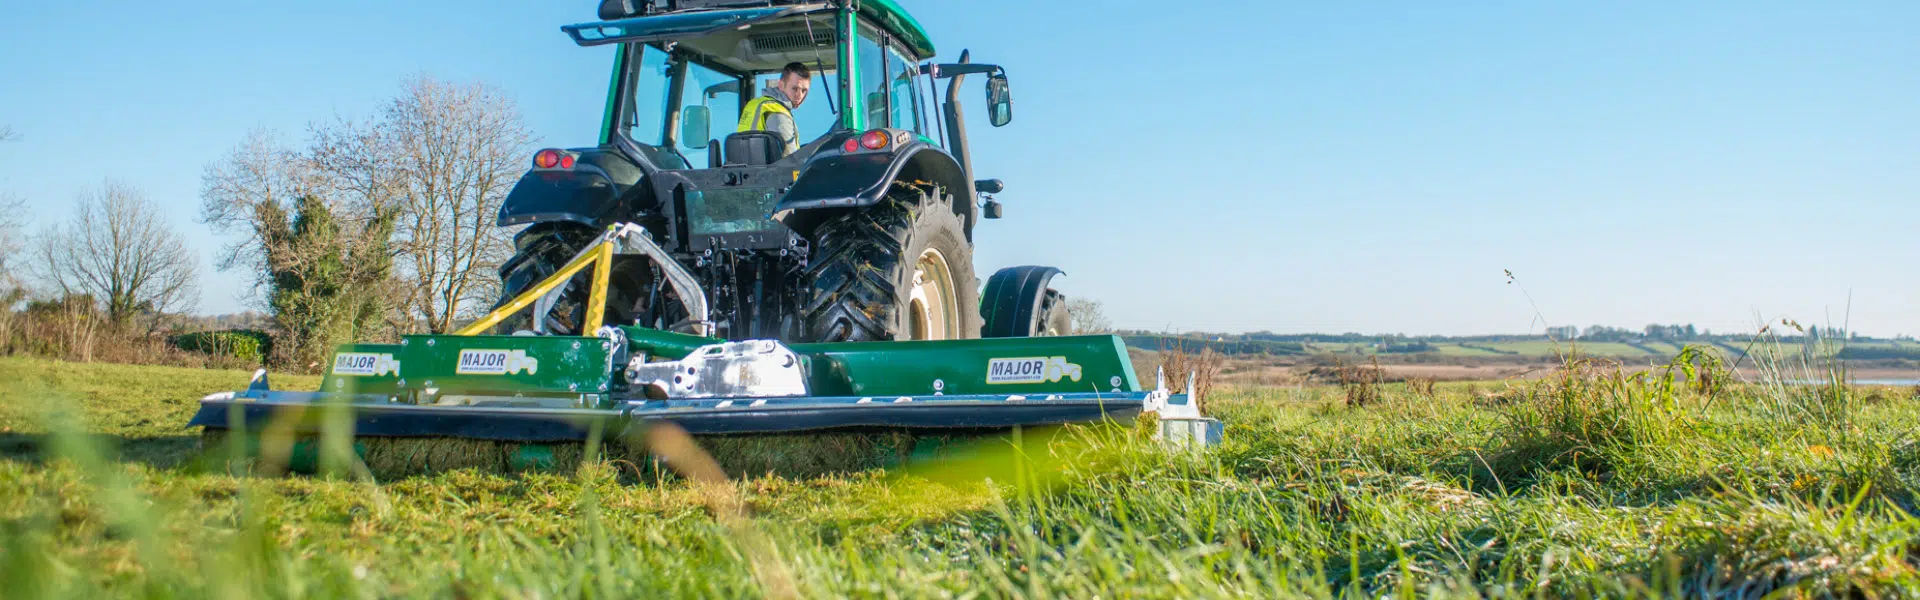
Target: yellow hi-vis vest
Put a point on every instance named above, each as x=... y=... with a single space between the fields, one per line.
x=754 y=118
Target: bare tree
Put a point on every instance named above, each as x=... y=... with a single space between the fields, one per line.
x=442 y=156
x=12 y=288
x=7 y=134
x=1089 y=316
x=421 y=182
x=118 y=249
x=248 y=193
x=327 y=268
x=13 y=209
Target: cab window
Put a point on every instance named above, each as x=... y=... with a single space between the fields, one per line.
x=720 y=94
x=872 y=77
x=814 y=117
x=903 y=98
x=647 y=99
x=653 y=118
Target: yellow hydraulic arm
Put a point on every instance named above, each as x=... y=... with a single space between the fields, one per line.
x=600 y=256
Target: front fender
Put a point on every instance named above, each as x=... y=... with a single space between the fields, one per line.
x=1012 y=300
x=836 y=180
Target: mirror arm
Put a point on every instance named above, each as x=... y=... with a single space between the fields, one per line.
x=674 y=90
x=951 y=70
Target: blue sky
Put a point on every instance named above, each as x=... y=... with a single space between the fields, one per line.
x=1282 y=166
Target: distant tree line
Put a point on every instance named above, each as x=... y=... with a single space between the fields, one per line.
x=1265 y=342
x=1220 y=345
x=1596 y=333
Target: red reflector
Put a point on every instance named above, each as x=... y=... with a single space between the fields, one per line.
x=546 y=159
x=566 y=161
x=852 y=145
x=874 y=140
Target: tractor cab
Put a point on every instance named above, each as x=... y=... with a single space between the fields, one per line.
x=673 y=142
x=750 y=213
x=687 y=69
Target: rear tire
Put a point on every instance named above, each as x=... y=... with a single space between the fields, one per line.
x=898 y=270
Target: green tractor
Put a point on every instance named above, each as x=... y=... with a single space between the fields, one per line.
x=731 y=283
x=863 y=233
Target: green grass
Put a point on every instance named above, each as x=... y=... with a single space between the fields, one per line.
x=1459 y=350
x=139 y=409
x=1589 y=483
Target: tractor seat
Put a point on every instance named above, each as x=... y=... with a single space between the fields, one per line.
x=753 y=149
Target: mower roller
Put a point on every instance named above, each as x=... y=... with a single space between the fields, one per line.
x=755 y=284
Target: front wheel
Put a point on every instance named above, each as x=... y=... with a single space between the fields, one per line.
x=1021 y=302
x=898 y=270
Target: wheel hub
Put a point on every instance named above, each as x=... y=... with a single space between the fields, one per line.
x=932 y=310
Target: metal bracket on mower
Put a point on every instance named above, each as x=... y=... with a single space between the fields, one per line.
x=1182 y=427
x=751 y=368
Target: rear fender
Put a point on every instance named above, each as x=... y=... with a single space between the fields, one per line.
x=600 y=190
x=834 y=181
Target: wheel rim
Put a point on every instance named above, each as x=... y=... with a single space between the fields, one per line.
x=932 y=313
x=1054 y=326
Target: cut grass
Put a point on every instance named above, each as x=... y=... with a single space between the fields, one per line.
x=1591 y=483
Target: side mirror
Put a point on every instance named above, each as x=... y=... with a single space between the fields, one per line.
x=999 y=100
x=694 y=127
x=989 y=186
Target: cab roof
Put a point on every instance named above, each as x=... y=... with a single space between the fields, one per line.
x=673 y=19
x=899 y=24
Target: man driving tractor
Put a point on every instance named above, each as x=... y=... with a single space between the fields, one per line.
x=773 y=111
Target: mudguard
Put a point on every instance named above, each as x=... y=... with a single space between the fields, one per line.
x=838 y=180
x=590 y=193
x=1012 y=300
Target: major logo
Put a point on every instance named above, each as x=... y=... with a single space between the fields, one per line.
x=496 y=362
x=365 y=364
x=1033 y=369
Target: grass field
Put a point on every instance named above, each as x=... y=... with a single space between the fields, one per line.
x=1591 y=483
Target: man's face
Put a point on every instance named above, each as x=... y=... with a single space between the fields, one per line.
x=795 y=87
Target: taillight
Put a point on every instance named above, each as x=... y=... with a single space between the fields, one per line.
x=852 y=145
x=874 y=140
x=566 y=161
x=546 y=159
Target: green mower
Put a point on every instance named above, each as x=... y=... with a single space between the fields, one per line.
x=734 y=286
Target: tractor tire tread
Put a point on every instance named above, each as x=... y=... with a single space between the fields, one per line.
x=860 y=262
